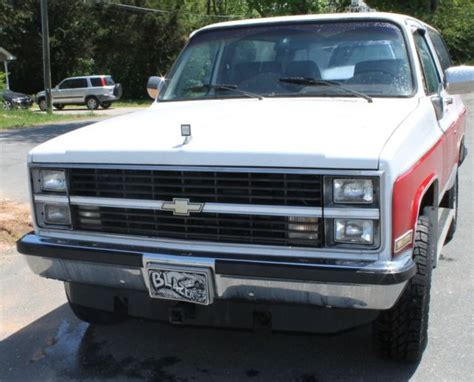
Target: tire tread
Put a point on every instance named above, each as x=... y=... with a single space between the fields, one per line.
x=401 y=333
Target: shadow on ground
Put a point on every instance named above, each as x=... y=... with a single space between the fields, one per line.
x=41 y=134
x=59 y=347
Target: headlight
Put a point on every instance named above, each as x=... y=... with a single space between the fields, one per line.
x=354 y=231
x=56 y=214
x=353 y=190
x=53 y=180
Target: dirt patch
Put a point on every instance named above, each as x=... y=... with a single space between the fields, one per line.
x=15 y=221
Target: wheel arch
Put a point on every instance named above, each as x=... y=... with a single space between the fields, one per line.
x=428 y=196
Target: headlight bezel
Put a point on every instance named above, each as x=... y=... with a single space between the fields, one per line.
x=56 y=205
x=38 y=184
x=366 y=186
x=41 y=215
x=43 y=173
x=329 y=192
x=48 y=196
x=332 y=242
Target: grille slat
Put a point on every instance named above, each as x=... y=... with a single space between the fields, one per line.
x=199 y=186
x=251 y=229
x=299 y=190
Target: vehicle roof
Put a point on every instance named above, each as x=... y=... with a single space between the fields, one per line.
x=398 y=18
x=89 y=76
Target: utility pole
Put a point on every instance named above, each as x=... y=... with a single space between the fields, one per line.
x=46 y=57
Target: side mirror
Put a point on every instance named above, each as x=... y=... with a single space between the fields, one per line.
x=154 y=86
x=460 y=79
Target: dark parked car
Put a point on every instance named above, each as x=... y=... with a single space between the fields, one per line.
x=13 y=100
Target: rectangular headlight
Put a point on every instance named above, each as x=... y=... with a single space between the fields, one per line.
x=354 y=231
x=53 y=180
x=353 y=190
x=56 y=214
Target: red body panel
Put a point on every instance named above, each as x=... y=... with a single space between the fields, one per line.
x=410 y=187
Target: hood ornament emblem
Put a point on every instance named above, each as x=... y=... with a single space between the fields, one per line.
x=186 y=133
x=182 y=207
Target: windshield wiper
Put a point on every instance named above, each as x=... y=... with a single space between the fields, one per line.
x=233 y=88
x=316 y=82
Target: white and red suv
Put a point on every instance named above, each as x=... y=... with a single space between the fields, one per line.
x=294 y=172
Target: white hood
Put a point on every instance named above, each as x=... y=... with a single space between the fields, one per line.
x=278 y=132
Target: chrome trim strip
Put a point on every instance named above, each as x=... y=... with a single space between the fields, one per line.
x=267 y=170
x=44 y=198
x=119 y=203
x=352 y=213
x=221 y=208
x=251 y=209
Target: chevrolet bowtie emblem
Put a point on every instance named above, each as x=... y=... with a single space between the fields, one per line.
x=182 y=207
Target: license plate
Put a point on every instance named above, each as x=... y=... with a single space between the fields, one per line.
x=189 y=285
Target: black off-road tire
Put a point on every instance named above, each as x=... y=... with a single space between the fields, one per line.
x=42 y=104
x=92 y=103
x=90 y=315
x=401 y=333
x=105 y=105
x=454 y=194
x=59 y=106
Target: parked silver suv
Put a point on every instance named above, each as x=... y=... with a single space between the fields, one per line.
x=92 y=91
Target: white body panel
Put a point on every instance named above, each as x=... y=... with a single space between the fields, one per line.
x=286 y=132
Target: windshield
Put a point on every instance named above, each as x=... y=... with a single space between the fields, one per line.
x=368 y=57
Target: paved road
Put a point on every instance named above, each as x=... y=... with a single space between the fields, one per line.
x=15 y=145
x=41 y=340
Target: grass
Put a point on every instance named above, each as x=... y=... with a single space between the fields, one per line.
x=133 y=103
x=24 y=118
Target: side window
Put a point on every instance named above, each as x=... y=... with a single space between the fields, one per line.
x=96 y=81
x=441 y=49
x=431 y=78
x=78 y=83
x=65 y=84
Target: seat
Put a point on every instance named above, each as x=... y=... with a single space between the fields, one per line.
x=382 y=72
x=393 y=67
x=248 y=70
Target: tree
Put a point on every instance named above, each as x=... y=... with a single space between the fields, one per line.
x=453 y=18
x=266 y=8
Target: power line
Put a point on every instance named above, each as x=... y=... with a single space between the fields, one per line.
x=162 y=11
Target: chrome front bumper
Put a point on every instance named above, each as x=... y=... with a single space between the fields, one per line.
x=374 y=285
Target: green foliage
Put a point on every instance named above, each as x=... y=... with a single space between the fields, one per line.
x=2 y=81
x=101 y=37
x=266 y=8
x=453 y=18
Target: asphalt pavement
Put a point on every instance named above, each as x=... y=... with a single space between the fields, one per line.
x=16 y=143
x=41 y=340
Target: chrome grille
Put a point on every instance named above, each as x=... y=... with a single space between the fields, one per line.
x=304 y=190
x=248 y=229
